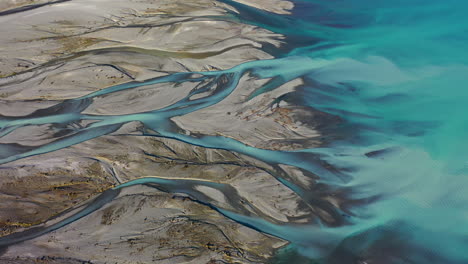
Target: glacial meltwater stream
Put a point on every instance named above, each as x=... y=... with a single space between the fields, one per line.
x=391 y=74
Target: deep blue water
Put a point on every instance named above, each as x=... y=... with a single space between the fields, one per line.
x=395 y=73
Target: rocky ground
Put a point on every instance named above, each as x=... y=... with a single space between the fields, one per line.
x=52 y=51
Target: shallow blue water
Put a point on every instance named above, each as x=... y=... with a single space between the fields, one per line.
x=395 y=73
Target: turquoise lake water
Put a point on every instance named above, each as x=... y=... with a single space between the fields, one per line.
x=396 y=72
